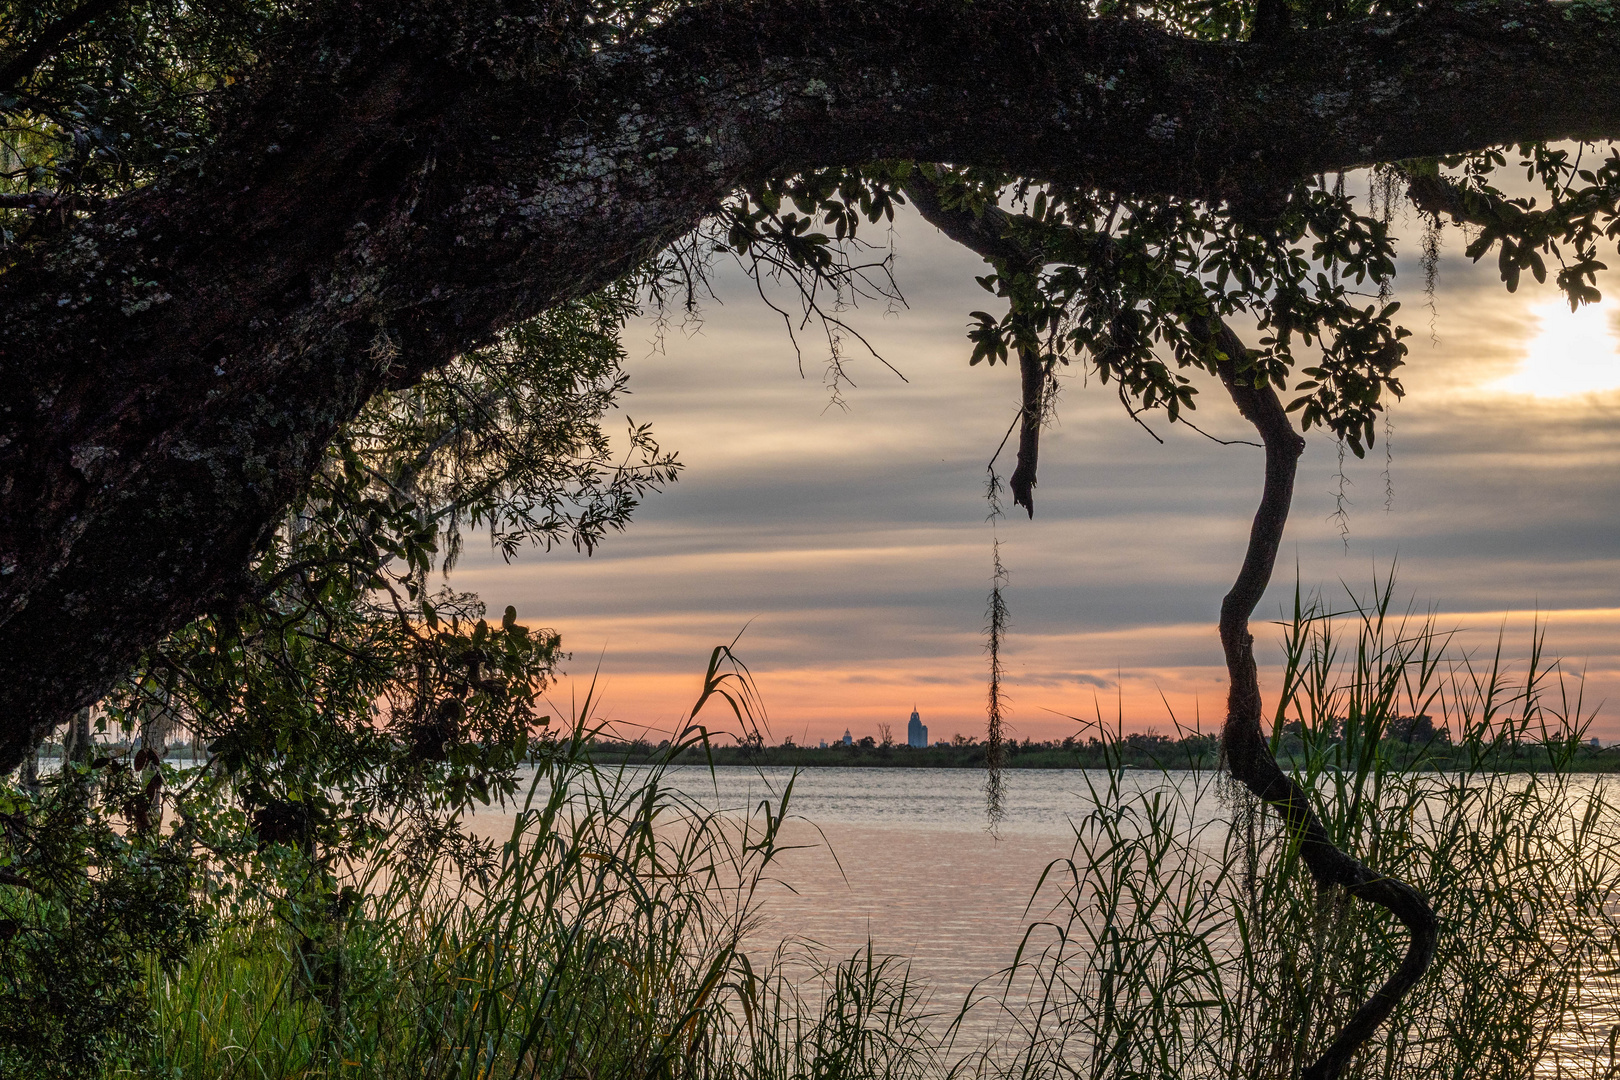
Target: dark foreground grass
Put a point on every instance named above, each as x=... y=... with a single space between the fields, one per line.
x=1180 y=939
x=1184 y=939
x=606 y=945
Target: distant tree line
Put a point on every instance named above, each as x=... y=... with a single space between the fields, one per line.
x=962 y=751
x=1413 y=740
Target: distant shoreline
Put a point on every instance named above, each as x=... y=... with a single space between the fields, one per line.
x=1195 y=752
x=1134 y=752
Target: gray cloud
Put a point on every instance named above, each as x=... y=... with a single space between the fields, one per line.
x=856 y=541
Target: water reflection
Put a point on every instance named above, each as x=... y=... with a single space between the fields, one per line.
x=902 y=858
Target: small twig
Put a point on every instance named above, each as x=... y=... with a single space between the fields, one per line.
x=1019 y=415
x=1223 y=442
x=1125 y=401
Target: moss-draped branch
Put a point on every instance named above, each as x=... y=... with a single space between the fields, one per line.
x=397 y=183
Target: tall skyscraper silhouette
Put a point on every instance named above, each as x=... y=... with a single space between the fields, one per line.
x=916 y=731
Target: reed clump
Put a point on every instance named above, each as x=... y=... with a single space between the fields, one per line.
x=1183 y=938
x=605 y=942
x=1179 y=939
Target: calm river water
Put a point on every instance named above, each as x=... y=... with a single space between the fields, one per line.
x=905 y=859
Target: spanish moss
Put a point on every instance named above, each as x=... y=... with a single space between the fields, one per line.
x=1431 y=272
x=995 y=625
x=1389 y=463
x=1340 y=517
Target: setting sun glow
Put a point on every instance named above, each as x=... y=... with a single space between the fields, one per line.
x=1572 y=353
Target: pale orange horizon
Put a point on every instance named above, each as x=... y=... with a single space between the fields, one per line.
x=809 y=704
x=851 y=540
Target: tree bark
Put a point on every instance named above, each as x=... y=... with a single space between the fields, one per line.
x=76 y=743
x=1031 y=418
x=28 y=776
x=1248 y=754
x=406 y=179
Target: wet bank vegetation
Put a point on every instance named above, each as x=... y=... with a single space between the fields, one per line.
x=608 y=933
x=294 y=295
x=1137 y=750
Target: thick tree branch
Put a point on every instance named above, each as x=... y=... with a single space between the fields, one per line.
x=1248 y=754
x=993 y=235
x=1031 y=417
x=36 y=52
x=1435 y=194
x=396 y=186
x=50 y=202
x=987 y=234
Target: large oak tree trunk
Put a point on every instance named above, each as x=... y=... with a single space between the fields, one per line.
x=403 y=180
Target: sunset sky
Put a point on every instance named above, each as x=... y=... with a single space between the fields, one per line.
x=852 y=543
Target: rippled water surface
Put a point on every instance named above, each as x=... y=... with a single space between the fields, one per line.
x=905 y=858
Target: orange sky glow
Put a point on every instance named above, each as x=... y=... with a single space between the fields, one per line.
x=850 y=539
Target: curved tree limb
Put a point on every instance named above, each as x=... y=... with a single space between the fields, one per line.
x=1435 y=195
x=18 y=67
x=50 y=202
x=1248 y=753
x=399 y=183
x=988 y=236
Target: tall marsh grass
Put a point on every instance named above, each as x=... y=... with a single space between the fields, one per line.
x=1187 y=941
x=1180 y=938
x=603 y=942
